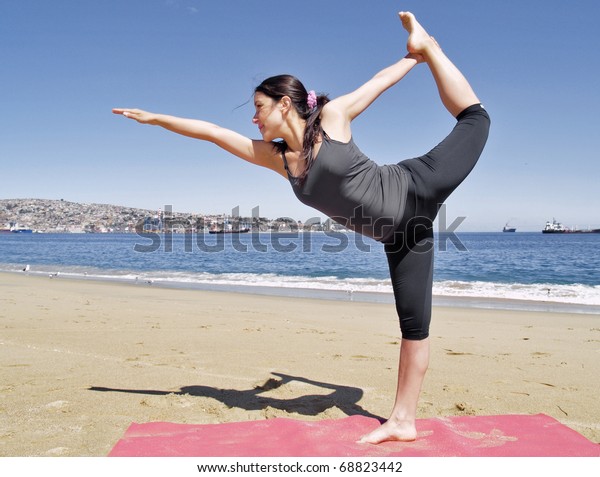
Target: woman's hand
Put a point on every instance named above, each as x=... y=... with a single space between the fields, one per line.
x=416 y=56
x=143 y=117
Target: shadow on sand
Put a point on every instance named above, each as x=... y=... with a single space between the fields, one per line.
x=345 y=398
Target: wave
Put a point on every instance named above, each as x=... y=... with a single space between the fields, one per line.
x=300 y=285
x=543 y=292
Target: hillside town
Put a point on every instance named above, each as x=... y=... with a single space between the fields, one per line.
x=61 y=216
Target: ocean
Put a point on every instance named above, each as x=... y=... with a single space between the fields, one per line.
x=531 y=271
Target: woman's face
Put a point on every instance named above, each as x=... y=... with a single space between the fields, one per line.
x=267 y=116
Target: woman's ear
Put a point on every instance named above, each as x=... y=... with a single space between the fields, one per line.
x=285 y=104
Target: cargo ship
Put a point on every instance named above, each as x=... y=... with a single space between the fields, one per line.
x=555 y=227
x=509 y=228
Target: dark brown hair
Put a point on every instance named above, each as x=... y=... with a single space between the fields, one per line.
x=276 y=87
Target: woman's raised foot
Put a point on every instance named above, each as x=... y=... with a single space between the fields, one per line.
x=419 y=41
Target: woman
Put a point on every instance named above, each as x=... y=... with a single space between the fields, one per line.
x=395 y=204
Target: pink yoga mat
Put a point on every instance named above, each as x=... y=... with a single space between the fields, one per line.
x=494 y=436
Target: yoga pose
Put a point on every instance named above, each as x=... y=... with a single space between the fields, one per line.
x=307 y=139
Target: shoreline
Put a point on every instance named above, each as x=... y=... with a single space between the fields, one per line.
x=81 y=360
x=479 y=302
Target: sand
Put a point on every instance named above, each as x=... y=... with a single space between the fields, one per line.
x=81 y=360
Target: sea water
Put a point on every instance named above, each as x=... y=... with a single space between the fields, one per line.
x=514 y=270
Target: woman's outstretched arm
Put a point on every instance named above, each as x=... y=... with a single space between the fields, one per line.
x=339 y=113
x=255 y=151
x=356 y=102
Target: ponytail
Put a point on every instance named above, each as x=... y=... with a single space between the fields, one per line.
x=311 y=133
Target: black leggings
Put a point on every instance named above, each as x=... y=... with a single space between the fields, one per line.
x=434 y=177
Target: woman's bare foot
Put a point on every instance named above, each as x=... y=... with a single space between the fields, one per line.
x=391 y=430
x=419 y=42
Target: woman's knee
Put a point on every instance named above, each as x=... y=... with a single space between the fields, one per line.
x=475 y=110
x=415 y=317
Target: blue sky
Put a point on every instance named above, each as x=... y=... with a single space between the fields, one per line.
x=66 y=64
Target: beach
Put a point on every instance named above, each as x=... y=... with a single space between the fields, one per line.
x=80 y=360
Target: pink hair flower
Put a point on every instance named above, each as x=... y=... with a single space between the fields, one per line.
x=311 y=99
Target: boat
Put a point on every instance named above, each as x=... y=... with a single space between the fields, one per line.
x=555 y=227
x=21 y=230
x=243 y=230
x=15 y=228
x=229 y=229
x=509 y=228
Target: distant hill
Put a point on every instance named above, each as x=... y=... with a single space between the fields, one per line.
x=63 y=216
x=44 y=215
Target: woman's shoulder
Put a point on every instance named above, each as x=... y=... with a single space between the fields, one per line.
x=269 y=154
x=335 y=122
